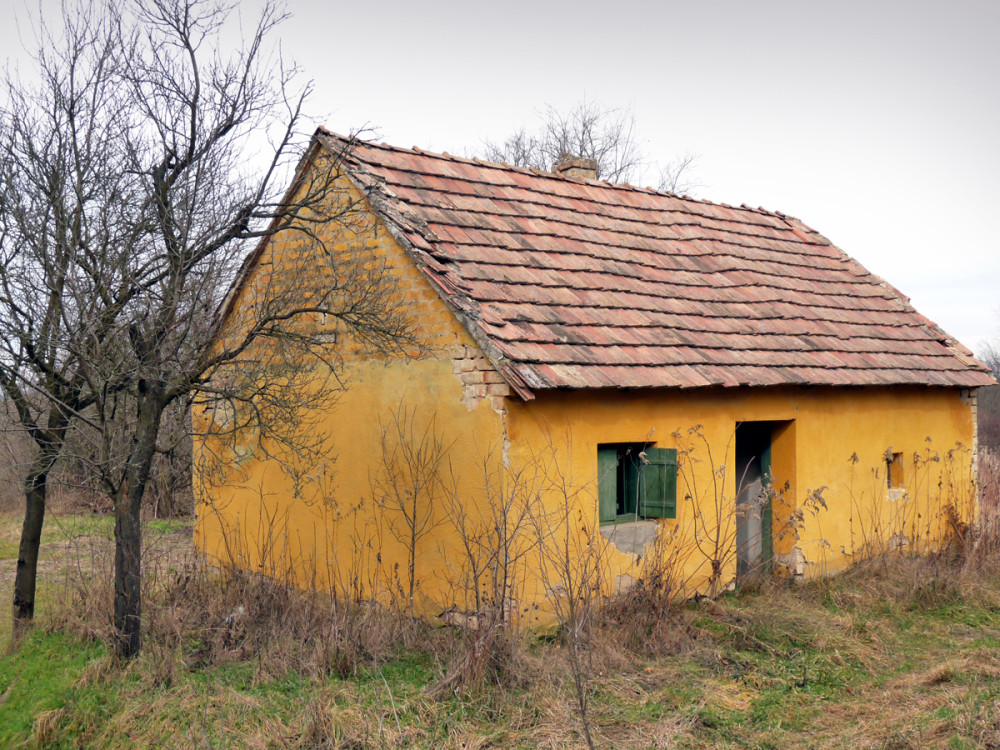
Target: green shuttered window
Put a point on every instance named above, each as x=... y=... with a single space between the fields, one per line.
x=607 y=482
x=636 y=480
x=658 y=497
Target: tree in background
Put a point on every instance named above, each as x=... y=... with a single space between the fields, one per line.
x=605 y=134
x=990 y=356
x=154 y=160
x=988 y=406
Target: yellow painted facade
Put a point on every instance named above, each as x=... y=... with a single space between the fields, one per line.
x=832 y=504
x=503 y=486
x=326 y=527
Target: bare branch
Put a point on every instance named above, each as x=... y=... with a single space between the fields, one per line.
x=605 y=134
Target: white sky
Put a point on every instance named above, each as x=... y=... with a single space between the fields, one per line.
x=874 y=122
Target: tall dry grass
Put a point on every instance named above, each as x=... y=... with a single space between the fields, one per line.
x=198 y=615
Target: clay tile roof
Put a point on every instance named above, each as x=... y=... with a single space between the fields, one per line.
x=572 y=283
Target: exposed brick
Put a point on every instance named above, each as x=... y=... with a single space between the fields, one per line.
x=471 y=378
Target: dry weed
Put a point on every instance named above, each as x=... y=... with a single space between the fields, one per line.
x=197 y=615
x=45 y=727
x=984 y=665
x=659 y=735
x=487 y=655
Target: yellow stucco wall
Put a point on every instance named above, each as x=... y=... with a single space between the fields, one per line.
x=336 y=522
x=506 y=491
x=828 y=463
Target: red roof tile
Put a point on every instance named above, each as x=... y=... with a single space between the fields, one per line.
x=570 y=283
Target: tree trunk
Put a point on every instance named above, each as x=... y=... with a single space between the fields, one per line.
x=128 y=575
x=128 y=529
x=27 y=557
x=35 y=493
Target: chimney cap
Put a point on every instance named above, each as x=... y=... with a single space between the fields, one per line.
x=580 y=167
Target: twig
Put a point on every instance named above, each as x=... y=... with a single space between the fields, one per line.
x=392 y=702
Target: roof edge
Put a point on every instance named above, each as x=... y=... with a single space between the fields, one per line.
x=373 y=192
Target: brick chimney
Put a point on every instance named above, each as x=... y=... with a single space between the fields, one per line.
x=576 y=166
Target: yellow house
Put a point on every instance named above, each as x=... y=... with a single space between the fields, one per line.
x=613 y=384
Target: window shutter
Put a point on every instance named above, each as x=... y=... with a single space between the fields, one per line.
x=607 y=482
x=659 y=484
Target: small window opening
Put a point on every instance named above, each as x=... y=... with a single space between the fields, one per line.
x=894 y=470
x=894 y=475
x=636 y=481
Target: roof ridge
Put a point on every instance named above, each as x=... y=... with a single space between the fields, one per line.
x=505 y=166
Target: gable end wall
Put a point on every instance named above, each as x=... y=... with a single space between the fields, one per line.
x=336 y=524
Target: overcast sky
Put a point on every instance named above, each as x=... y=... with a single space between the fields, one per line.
x=874 y=122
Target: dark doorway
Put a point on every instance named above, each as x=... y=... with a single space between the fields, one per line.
x=753 y=498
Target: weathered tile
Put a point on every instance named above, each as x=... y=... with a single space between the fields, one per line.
x=592 y=285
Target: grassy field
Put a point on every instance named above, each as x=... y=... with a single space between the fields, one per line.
x=892 y=656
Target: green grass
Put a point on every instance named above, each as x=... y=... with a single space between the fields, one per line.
x=65 y=544
x=39 y=676
x=58 y=529
x=55 y=530
x=777 y=688
x=68 y=527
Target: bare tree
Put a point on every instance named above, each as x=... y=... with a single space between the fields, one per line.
x=176 y=202
x=989 y=398
x=676 y=175
x=493 y=523
x=605 y=134
x=713 y=505
x=990 y=355
x=62 y=189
